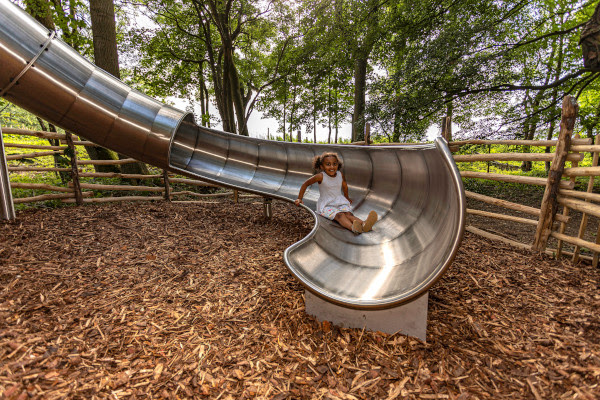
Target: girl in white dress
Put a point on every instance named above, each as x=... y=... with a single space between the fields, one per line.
x=332 y=204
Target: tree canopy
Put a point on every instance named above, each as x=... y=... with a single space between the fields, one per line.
x=499 y=69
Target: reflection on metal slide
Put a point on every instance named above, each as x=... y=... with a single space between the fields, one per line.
x=416 y=190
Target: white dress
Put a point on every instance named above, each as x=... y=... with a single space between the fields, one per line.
x=331 y=200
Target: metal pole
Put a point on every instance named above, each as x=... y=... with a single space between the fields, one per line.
x=7 y=207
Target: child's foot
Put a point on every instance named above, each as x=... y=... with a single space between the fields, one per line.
x=370 y=221
x=357 y=227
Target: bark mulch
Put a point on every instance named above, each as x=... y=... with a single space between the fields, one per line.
x=157 y=300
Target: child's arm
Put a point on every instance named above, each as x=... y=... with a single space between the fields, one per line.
x=314 y=179
x=345 y=188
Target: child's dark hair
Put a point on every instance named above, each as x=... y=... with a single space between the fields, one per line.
x=318 y=160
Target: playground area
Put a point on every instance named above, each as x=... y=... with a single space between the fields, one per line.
x=162 y=300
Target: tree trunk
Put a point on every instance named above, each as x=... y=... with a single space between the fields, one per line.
x=315 y=114
x=360 y=82
x=41 y=11
x=238 y=99
x=449 y=112
x=104 y=33
x=229 y=117
x=329 y=108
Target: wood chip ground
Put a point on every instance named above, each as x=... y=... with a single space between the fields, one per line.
x=181 y=301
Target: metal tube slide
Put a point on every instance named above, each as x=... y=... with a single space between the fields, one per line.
x=416 y=190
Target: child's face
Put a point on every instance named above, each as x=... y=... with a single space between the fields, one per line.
x=330 y=165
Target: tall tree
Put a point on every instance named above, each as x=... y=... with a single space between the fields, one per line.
x=104 y=33
x=106 y=56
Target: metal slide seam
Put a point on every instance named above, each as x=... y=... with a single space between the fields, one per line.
x=416 y=190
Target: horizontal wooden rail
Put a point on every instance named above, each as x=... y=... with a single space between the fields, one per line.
x=576 y=241
x=115 y=199
x=527 y=180
x=581 y=206
x=542 y=143
x=34 y=146
x=39 y=186
x=499 y=238
x=186 y=192
x=502 y=217
x=513 y=157
x=582 y=171
x=40 y=134
x=53 y=196
x=81 y=143
x=117 y=175
x=510 y=205
x=581 y=195
x=519 y=245
x=38 y=169
x=582 y=148
x=107 y=162
x=13 y=157
x=96 y=186
x=192 y=182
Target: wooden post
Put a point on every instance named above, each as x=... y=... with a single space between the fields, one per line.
x=566 y=210
x=367 y=134
x=549 y=202
x=236 y=195
x=7 y=208
x=584 y=217
x=447 y=128
x=74 y=170
x=299 y=137
x=167 y=186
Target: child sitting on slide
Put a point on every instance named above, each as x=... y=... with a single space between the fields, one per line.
x=332 y=204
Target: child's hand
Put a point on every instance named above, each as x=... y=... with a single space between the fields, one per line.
x=298 y=202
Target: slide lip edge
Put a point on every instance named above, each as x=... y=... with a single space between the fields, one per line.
x=442 y=147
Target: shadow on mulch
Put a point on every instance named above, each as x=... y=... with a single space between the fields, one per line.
x=157 y=300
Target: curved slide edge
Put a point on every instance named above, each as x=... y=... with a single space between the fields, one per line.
x=416 y=190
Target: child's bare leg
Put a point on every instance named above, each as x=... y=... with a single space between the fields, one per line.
x=353 y=217
x=343 y=220
x=347 y=221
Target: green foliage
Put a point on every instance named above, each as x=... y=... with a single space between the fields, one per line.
x=12 y=116
x=496 y=67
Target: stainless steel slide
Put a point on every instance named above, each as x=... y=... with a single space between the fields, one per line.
x=416 y=190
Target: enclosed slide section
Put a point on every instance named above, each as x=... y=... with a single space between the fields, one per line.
x=416 y=190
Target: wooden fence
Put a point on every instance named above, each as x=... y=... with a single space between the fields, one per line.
x=550 y=224
x=80 y=192
x=546 y=223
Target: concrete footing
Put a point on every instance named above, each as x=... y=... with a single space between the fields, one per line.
x=409 y=319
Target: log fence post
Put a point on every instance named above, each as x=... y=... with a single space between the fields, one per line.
x=549 y=204
x=584 y=217
x=7 y=207
x=566 y=210
x=167 y=186
x=74 y=170
x=367 y=134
